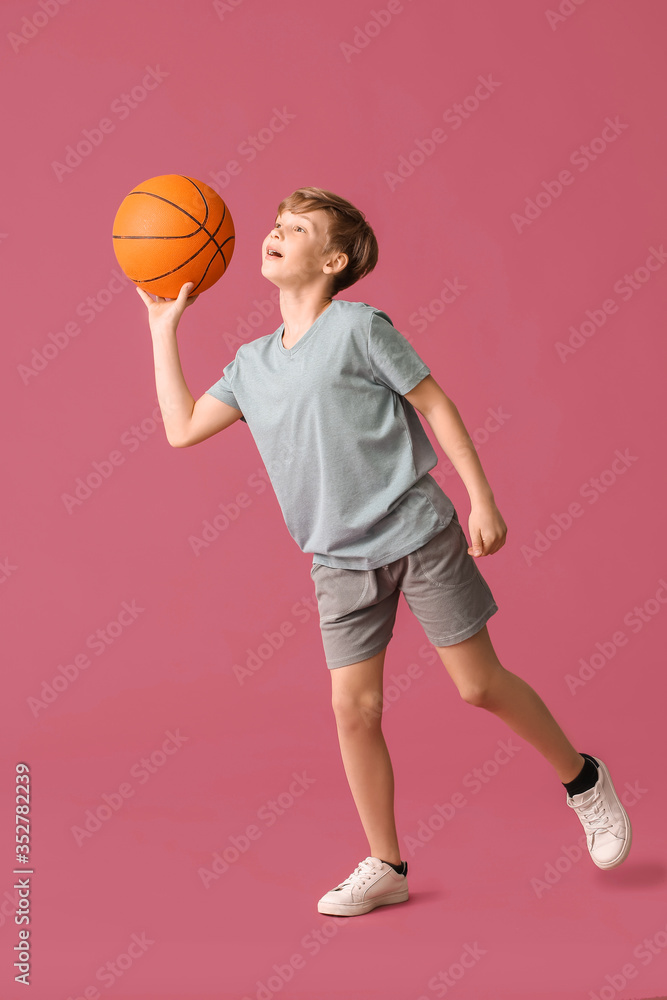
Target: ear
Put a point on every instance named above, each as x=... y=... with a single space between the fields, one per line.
x=337 y=263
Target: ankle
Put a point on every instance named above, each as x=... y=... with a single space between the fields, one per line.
x=400 y=867
x=570 y=775
x=391 y=857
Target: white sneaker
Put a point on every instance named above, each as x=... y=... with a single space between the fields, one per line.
x=607 y=825
x=372 y=883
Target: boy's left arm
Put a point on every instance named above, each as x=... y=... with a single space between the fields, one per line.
x=486 y=525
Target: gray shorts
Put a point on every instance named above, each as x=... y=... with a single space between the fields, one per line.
x=442 y=585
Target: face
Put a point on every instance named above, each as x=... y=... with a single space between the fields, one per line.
x=299 y=240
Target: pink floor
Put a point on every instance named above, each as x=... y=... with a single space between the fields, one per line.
x=188 y=801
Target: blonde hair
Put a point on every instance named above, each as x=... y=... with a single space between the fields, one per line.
x=347 y=232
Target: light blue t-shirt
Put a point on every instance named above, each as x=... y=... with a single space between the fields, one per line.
x=346 y=453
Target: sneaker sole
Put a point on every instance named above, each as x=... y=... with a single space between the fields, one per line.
x=628 y=826
x=355 y=909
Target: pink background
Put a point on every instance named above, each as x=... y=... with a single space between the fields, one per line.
x=360 y=101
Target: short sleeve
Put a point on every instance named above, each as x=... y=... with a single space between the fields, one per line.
x=393 y=360
x=222 y=389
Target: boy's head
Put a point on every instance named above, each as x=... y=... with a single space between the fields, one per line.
x=321 y=233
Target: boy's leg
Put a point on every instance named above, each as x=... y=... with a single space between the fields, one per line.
x=356 y=695
x=482 y=680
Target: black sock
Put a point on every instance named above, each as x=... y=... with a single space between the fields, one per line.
x=401 y=869
x=586 y=778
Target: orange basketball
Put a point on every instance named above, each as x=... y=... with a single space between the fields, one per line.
x=172 y=229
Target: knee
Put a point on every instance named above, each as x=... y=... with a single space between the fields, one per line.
x=479 y=696
x=482 y=693
x=359 y=712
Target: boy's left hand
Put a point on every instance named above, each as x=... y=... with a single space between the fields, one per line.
x=487 y=529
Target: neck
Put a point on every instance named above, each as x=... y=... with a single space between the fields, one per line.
x=300 y=310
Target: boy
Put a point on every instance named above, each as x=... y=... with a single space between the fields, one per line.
x=330 y=399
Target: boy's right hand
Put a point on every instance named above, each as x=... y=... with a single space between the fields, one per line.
x=167 y=312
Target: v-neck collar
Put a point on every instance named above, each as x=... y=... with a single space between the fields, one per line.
x=309 y=332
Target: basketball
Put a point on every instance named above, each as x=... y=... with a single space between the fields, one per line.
x=172 y=229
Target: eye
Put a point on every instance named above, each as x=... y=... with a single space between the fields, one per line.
x=276 y=225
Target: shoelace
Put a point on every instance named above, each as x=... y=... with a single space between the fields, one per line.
x=595 y=817
x=364 y=870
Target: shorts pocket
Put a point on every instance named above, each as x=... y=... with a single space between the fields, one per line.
x=445 y=561
x=339 y=591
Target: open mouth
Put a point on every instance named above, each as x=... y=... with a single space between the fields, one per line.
x=272 y=253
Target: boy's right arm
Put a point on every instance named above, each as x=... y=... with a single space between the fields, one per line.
x=186 y=422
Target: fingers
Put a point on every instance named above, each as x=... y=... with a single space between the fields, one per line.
x=481 y=548
x=477 y=542
x=147 y=298
x=182 y=300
